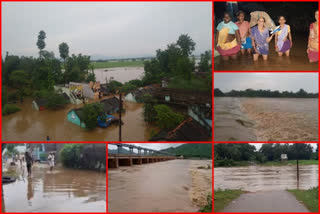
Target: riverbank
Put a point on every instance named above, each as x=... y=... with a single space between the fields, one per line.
x=223 y=197
x=113 y=64
x=232 y=163
x=308 y=197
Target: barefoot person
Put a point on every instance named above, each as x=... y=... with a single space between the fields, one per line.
x=261 y=39
x=245 y=32
x=51 y=160
x=228 y=42
x=313 y=42
x=283 y=38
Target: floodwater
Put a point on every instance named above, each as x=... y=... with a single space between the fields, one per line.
x=298 y=60
x=62 y=190
x=169 y=186
x=260 y=178
x=32 y=125
x=121 y=74
x=266 y=119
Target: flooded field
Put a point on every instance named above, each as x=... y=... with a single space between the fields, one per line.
x=258 y=178
x=170 y=186
x=62 y=190
x=266 y=119
x=121 y=74
x=32 y=125
x=298 y=60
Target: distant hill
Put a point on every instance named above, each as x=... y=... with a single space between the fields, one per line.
x=203 y=150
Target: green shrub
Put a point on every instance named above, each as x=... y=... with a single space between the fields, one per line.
x=91 y=77
x=55 y=101
x=127 y=87
x=166 y=118
x=91 y=113
x=114 y=85
x=71 y=155
x=136 y=82
x=9 y=109
x=149 y=113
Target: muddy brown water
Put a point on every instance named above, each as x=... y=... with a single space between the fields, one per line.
x=170 y=186
x=62 y=190
x=266 y=119
x=265 y=178
x=298 y=60
x=121 y=74
x=32 y=125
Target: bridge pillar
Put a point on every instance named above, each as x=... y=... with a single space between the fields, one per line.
x=137 y=160
x=113 y=163
x=119 y=149
x=139 y=151
x=145 y=160
x=125 y=161
x=131 y=150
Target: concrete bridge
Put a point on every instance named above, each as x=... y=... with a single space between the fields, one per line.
x=128 y=158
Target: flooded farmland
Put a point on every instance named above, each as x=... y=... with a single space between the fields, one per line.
x=259 y=178
x=170 y=186
x=266 y=119
x=62 y=190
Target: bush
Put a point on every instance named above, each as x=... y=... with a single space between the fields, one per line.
x=91 y=77
x=149 y=113
x=71 y=155
x=91 y=113
x=55 y=101
x=9 y=109
x=136 y=82
x=127 y=87
x=13 y=97
x=114 y=85
x=166 y=118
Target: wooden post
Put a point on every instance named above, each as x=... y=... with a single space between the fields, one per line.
x=120 y=111
x=297 y=170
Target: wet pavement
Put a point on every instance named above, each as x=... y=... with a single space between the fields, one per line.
x=169 y=186
x=265 y=178
x=62 y=190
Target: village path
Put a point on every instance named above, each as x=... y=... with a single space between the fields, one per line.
x=266 y=201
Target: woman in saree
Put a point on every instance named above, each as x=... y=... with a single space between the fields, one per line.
x=260 y=40
x=282 y=43
x=245 y=31
x=313 y=42
x=228 y=42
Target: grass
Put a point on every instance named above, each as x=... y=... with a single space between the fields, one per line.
x=292 y=162
x=113 y=64
x=208 y=207
x=308 y=197
x=195 y=83
x=223 y=197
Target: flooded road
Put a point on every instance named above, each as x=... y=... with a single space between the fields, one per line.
x=32 y=125
x=169 y=186
x=121 y=74
x=266 y=119
x=62 y=190
x=298 y=60
x=258 y=178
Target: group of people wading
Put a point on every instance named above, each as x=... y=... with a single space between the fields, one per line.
x=239 y=36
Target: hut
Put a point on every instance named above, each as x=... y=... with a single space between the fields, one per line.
x=76 y=116
x=111 y=105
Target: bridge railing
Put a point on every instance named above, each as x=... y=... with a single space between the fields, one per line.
x=141 y=151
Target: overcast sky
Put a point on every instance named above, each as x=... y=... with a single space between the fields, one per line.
x=258 y=145
x=155 y=146
x=274 y=81
x=111 y=29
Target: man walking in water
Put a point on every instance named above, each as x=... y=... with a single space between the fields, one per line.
x=51 y=160
x=29 y=162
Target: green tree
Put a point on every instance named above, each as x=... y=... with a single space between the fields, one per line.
x=55 y=100
x=183 y=68
x=64 y=51
x=91 y=113
x=91 y=77
x=186 y=44
x=166 y=118
x=18 y=78
x=40 y=43
x=149 y=113
x=205 y=59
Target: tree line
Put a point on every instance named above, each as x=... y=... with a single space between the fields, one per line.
x=265 y=93
x=228 y=152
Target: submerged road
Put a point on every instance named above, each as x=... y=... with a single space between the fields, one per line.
x=265 y=201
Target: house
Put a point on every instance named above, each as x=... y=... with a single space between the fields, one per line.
x=188 y=130
x=137 y=95
x=81 y=89
x=76 y=116
x=111 y=105
x=39 y=104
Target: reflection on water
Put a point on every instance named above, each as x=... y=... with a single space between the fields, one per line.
x=121 y=74
x=32 y=125
x=168 y=186
x=298 y=60
x=265 y=119
x=257 y=178
x=62 y=190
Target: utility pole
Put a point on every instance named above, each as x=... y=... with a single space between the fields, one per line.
x=120 y=111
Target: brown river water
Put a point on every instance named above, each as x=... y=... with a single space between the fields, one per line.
x=32 y=125
x=62 y=190
x=121 y=74
x=298 y=60
x=169 y=186
x=266 y=178
x=265 y=119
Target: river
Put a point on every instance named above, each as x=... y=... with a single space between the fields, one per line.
x=298 y=60
x=265 y=119
x=62 y=190
x=169 y=186
x=259 y=178
x=121 y=74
